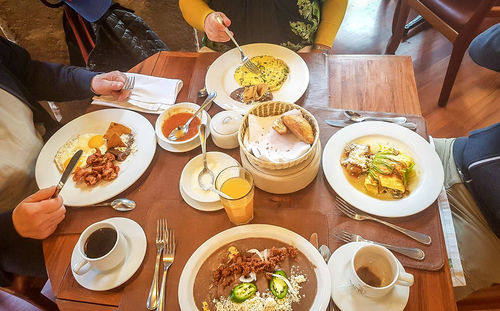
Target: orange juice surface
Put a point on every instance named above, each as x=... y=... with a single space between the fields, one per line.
x=240 y=209
x=236 y=187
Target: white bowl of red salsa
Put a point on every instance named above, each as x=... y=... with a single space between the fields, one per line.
x=176 y=115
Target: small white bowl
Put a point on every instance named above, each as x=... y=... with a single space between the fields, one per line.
x=216 y=162
x=224 y=128
x=174 y=109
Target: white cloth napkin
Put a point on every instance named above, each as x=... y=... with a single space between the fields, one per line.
x=266 y=144
x=150 y=94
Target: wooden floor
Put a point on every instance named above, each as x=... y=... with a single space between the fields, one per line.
x=474 y=101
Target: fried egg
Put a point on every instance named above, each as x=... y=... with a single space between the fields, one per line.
x=274 y=73
x=88 y=143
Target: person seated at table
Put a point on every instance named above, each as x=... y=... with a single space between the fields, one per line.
x=485 y=48
x=28 y=215
x=472 y=181
x=295 y=25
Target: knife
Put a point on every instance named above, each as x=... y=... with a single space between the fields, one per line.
x=67 y=172
x=344 y=123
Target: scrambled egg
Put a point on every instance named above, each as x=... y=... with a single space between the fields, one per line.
x=233 y=251
x=274 y=73
x=86 y=142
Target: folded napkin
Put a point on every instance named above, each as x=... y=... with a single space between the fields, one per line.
x=266 y=144
x=150 y=94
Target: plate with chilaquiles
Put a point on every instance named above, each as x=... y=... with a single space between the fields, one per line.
x=255 y=267
x=383 y=169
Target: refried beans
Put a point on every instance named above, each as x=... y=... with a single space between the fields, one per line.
x=219 y=274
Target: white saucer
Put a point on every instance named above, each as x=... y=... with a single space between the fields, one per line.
x=206 y=207
x=216 y=162
x=187 y=146
x=347 y=298
x=136 y=242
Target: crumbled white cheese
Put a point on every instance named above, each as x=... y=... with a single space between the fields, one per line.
x=266 y=301
x=358 y=155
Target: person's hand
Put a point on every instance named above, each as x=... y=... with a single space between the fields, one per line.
x=110 y=83
x=38 y=215
x=214 y=30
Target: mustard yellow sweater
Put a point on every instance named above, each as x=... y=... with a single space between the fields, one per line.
x=332 y=14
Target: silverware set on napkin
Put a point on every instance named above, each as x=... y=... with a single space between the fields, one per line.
x=165 y=252
x=354 y=117
x=347 y=237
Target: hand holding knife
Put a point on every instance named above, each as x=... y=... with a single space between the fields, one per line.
x=67 y=172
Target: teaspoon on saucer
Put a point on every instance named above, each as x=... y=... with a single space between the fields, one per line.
x=206 y=171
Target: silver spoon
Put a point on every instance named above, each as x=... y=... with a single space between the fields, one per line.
x=325 y=252
x=206 y=170
x=356 y=117
x=182 y=130
x=122 y=205
x=203 y=92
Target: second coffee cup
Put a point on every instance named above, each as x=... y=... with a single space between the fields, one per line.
x=101 y=246
x=375 y=271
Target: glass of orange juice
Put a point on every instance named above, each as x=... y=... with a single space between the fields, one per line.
x=236 y=182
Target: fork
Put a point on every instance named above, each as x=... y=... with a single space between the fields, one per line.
x=415 y=253
x=161 y=227
x=129 y=83
x=349 y=211
x=244 y=59
x=168 y=260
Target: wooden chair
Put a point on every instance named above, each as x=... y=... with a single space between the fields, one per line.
x=457 y=20
x=29 y=289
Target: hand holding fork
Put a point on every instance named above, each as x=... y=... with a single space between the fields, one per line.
x=244 y=59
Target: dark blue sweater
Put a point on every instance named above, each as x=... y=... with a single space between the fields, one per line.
x=31 y=81
x=478 y=159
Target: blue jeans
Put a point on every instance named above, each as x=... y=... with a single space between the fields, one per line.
x=485 y=48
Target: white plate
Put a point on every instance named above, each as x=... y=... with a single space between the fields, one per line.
x=188 y=146
x=47 y=174
x=185 y=291
x=220 y=75
x=216 y=162
x=347 y=298
x=136 y=242
x=427 y=165
x=201 y=206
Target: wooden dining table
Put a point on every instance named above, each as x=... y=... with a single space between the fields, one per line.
x=376 y=84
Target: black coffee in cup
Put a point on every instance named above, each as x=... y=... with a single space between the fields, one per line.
x=100 y=242
x=367 y=276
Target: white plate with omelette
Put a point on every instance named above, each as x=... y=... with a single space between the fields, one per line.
x=81 y=132
x=425 y=184
x=221 y=75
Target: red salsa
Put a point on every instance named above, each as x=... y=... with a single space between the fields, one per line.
x=179 y=119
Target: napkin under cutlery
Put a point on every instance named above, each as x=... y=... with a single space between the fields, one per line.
x=150 y=94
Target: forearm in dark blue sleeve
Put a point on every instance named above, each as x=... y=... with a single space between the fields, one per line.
x=48 y=81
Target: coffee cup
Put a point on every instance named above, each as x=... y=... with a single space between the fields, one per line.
x=375 y=271
x=101 y=246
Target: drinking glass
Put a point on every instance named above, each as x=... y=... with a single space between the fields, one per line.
x=236 y=182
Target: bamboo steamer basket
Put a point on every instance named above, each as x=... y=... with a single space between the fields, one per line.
x=273 y=108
